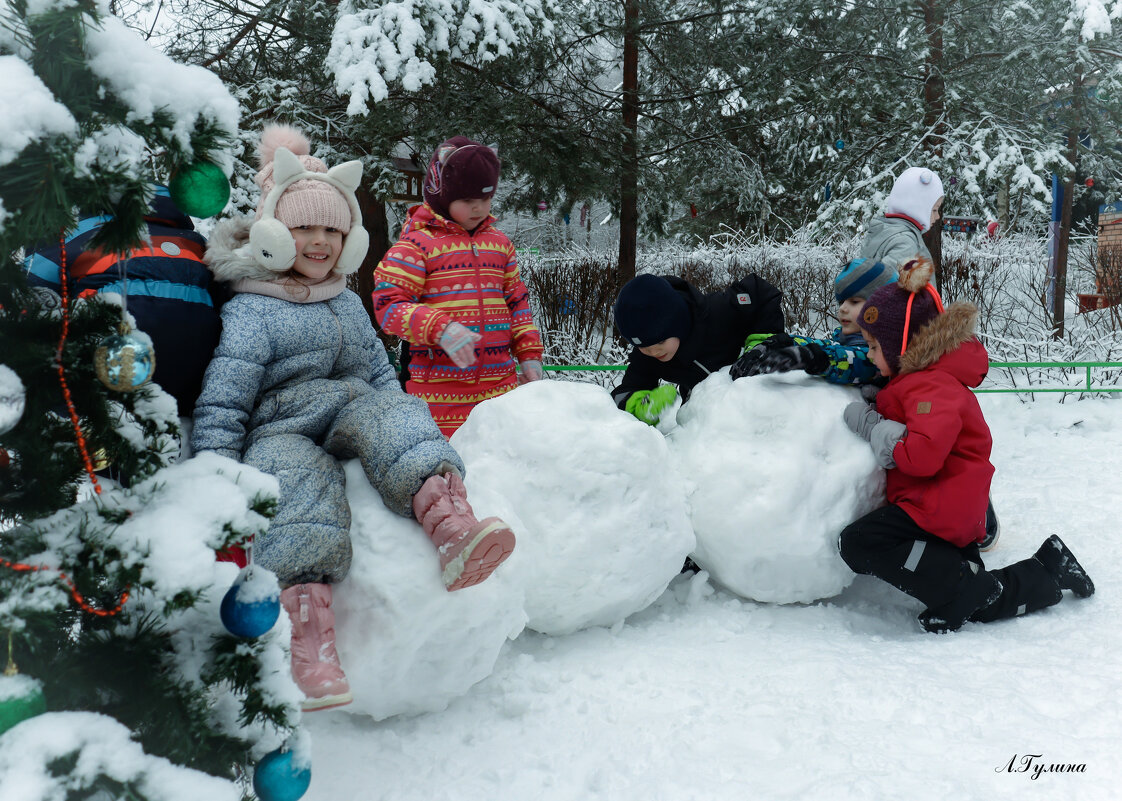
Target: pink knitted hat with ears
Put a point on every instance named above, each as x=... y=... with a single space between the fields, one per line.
x=306 y=202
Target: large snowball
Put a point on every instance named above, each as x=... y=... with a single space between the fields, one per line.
x=604 y=523
x=775 y=476
x=407 y=644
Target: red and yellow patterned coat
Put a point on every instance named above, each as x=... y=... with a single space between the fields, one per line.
x=437 y=273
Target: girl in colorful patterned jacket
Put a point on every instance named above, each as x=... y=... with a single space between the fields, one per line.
x=300 y=380
x=928 y=432
x=450 y=287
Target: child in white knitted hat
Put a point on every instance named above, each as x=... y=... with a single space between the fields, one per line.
x=913 y=206
x=300 y=381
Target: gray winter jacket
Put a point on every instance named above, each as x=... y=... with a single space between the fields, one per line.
x=893 y=241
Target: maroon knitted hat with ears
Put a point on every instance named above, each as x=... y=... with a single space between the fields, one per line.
x=894 y=313
x=460 y=168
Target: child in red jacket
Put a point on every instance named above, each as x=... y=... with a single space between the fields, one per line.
x=928 y=432
x=450 y=287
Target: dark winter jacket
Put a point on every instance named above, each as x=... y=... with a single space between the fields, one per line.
x=942 y=474
x=720 y=322
x=169 y=290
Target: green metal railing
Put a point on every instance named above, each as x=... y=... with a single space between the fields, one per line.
x=1085 y=387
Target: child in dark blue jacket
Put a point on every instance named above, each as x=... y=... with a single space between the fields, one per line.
x=170 y=291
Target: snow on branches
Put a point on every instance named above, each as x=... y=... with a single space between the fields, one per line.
x=395 y=42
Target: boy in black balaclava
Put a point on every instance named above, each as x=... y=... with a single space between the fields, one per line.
x=681 y=336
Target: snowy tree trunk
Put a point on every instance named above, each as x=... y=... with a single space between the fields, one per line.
x=1003 y=205
x=934 y=116
x=1076 y=125
x=629 y=168
x=376 y=224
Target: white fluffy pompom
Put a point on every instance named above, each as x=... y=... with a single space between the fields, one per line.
x=277 y=135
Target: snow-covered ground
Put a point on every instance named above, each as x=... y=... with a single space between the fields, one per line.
x=706 y=695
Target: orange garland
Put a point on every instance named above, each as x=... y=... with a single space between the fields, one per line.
x=22 y=568
x=77 y=596
x=82 y=448
x=63 y=279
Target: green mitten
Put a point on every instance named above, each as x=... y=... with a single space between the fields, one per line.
x=753 y=340
x=649 y=404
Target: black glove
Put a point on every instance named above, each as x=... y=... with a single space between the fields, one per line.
x=779 y=354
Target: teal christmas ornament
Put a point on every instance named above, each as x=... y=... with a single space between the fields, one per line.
x=21 y=697
x=200 y=189
x=279 y=777
x=124 y=362
x=252 y=605
x=840 y=145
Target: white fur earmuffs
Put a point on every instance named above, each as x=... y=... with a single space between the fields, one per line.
x=270 y=241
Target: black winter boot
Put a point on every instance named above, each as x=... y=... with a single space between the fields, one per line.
x=978 y=591
x=993 y=529
x=1064 y=567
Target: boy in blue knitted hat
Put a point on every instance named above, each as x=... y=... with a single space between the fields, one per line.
x=841 y=359
x=680 y=335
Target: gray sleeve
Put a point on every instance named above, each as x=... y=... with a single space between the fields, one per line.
x=883 y=438
x=364 y=354
x=232 y=382
x=901 y=249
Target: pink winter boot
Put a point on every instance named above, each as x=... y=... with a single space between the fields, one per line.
x=315 y=663
x=469 y=549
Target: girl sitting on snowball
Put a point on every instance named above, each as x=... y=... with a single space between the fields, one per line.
x=299 y=381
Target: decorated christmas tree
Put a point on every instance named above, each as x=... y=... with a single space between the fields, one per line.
x=136 y=665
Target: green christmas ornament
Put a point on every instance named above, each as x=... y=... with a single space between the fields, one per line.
x=200 y=189
x=21 y=697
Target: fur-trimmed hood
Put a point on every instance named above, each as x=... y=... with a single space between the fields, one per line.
x=228 y=255
x=945 y=334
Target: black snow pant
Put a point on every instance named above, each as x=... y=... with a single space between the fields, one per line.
x=887 y=544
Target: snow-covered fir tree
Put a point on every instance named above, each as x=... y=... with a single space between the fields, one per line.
x=116 y=655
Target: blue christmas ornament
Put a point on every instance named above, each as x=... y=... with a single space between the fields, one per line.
x=276 y=778
x=123 y=362
x=252 y=605
x=840 y=145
